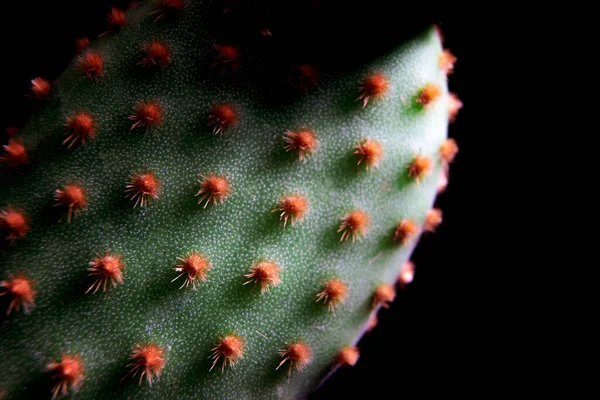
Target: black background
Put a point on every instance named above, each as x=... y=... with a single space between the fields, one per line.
x=421 y=342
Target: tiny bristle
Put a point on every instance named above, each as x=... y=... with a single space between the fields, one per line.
x=194 y=266
x=227 y=58
x=141 y=187
x=40 y=88
x=348 y=356
x=223 y=117
x=369 y=152
x=213 y=187
x=14 y=223
x=373 y=88
x=454 y=106
x=384 y=294
x=298 y=354
x=407 y=274
x=354 y=225
x=334 y=293
x=20 y=290
x=147 y=360
x=264 y=274
x=231 y=348
x=80 y=127
x=432 y=220
x=448 y=151
x=428 y=94
x=147 y=114
x=156 y=54
x=446 y=61
x=106 y=268
x=420 y=167
x=303 y=142
x=293 y=208
x=15 y=153
x=91 y=64
x=405 y=231
x=68 y=374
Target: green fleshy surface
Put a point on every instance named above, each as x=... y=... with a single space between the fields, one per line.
x=104 y=327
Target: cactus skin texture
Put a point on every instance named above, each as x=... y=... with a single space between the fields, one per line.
x=185 y=237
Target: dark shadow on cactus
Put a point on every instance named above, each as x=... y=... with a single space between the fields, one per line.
x=39 y=385
x=347 y=162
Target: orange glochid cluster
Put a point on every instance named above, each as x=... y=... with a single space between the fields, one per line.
x=347 y=356
x=15 y=153
x=298 y=354
x=373 y=88
x=407 y=274
x=106 y=268
x=80 y=127
x=20 y=290
x=432 y=220
x=147 y=360
x=333 y=294
x=265 y=274
x=231 y=348
x=156 y=54
x=142 y=187
x=227 y=59
x=40 y=88
x=384 y=294
x=72 y=197
x=116 y=19
x=303 y=143
x=446 y=61
x=213 y=187
x=369 y=152
x=419 y=167
x=292 y=207
x=14 y=223
x=428 y=94
x=91 y=64
x=222 y=117
x=68 y=374
x=195 y=266
x=448 y=151
x=147 y=114
x=405 y=231
x=354 y=225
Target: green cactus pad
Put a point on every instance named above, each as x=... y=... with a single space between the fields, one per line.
x=243 y=228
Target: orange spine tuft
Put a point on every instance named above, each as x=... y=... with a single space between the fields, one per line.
x=265 y=274
x=108 y=267
x=354 y=225
x=373 y=88
x=298 y=354
x=213 y=187
x=20 y=289
x=334 y=293
x=231 y=348
x=147 y=360
x=303 y=143
x=68 y=374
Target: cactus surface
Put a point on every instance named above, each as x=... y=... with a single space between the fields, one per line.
x=175 y=227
